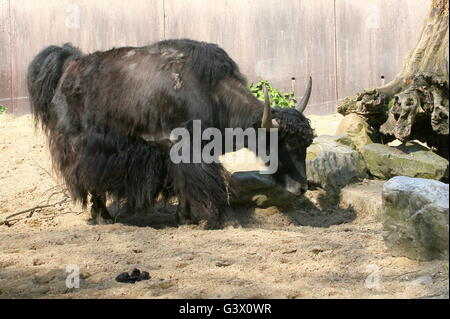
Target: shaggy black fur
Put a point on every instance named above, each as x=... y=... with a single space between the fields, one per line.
x=109 y=115
x=209 y=62
x=126 y=168
x=293 y=124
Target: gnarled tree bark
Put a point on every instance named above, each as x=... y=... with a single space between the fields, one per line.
x=414 y=105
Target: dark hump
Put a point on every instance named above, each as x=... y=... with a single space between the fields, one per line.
x=209 y=62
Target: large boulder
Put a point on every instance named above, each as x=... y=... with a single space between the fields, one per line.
x=411 y=160
x=357 y=129
x=255 y=189
x=415 y=217
x=333 y=165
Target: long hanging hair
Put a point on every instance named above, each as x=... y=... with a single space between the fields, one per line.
x=95 y=157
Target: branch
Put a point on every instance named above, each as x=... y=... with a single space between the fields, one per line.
x=45 y=171
x=5 y=219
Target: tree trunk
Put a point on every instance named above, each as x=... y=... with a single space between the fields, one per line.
x=414 y=105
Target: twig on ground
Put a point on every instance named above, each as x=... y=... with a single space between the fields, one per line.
x=33 y=209
x=40 y=206
x=63 y=191
x=46 y=172
x=52 y=194
x=404 y=274
x=52 y=188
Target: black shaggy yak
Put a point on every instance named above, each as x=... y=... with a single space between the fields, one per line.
x=109 y=115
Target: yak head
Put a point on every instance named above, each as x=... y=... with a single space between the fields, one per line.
x=295 y=135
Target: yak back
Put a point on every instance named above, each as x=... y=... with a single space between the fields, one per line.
x=149 y=90
x=208 y=61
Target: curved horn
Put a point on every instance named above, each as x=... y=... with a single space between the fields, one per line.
x=301 y=106
x=267 y=117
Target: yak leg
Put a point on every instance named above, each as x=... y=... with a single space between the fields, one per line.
x=183 y=214
x=201 y=190
x=99 y=212
x=204 y=186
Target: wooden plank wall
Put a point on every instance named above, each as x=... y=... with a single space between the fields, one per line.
x=346 y=45
x=269 y=40
x=90 y=25
x=5 y=56
x=373 y=39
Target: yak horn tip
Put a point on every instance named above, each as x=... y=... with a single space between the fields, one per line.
x=267 y=118
x=304 y=101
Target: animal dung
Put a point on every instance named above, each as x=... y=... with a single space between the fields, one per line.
x=136 y=275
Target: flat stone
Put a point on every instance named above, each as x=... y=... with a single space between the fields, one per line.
x=411 y=160
x=415 y=217
x=260 y=190
x=364 y=198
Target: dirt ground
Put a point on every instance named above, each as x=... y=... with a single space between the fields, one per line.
x=301 y=253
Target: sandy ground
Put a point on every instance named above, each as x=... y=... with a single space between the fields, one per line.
x=298 y=253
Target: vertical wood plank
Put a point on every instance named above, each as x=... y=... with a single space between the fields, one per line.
x=5 y=56
x=268 y=39
x=90 y=25
x=373 y=39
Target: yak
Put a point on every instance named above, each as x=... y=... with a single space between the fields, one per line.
x=108 y=117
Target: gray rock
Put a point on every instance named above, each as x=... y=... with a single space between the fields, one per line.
x=411 y=160
x=415 y=217
x=333 y=165
x=425 y=280
x=253 y=188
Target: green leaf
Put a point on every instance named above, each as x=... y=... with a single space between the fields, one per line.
x=3 y=109
x=277 y=98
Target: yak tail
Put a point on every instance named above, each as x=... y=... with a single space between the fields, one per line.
x=43 y=76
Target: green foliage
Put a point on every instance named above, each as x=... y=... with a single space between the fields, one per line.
x=277 y=98
x=3 y=109
x=391 y=103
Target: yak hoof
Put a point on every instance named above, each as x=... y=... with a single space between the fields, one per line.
x=183 y=216
x=209 y=224
x=182 y=220
x=100 y=220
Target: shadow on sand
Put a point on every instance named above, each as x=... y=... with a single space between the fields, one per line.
x=318 y=208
